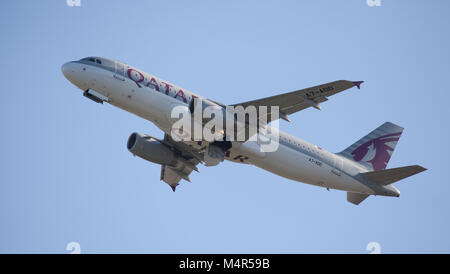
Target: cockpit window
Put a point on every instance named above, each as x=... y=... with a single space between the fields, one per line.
x=92 y=59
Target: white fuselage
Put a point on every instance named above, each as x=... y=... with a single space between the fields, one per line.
x=151 y=98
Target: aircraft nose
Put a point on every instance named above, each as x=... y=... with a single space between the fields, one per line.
x=72 y=72
x=66 y=71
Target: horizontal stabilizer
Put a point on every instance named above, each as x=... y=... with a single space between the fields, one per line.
x=392 y=175
x=356 y=198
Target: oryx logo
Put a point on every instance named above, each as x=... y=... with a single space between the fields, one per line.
x=377 y=151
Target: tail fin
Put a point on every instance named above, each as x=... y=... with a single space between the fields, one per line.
x=375 y=149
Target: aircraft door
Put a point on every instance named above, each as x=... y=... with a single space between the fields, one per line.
x=119 y=72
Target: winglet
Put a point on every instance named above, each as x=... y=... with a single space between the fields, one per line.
x=358 y=84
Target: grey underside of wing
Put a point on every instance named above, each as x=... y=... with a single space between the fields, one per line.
x=169 y=176
x=172 y=176
x=295 y=101
x=184 y=149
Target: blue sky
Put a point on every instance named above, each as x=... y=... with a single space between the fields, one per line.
x=66 y=175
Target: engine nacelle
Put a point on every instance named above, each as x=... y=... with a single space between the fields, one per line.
x=151 y=149
x=215 y=152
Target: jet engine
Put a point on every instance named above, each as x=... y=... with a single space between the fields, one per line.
x=155 y=151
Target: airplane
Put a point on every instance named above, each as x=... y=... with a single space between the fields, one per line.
x=360 y=169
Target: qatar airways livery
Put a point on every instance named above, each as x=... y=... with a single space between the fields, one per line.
x=360 y=169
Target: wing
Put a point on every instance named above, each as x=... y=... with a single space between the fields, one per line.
x=192 y=157
x=292 y=102
x=172 y=177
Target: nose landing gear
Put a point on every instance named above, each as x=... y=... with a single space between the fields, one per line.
x=95 y=96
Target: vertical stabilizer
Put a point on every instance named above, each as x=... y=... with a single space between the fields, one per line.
x=375 y=149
